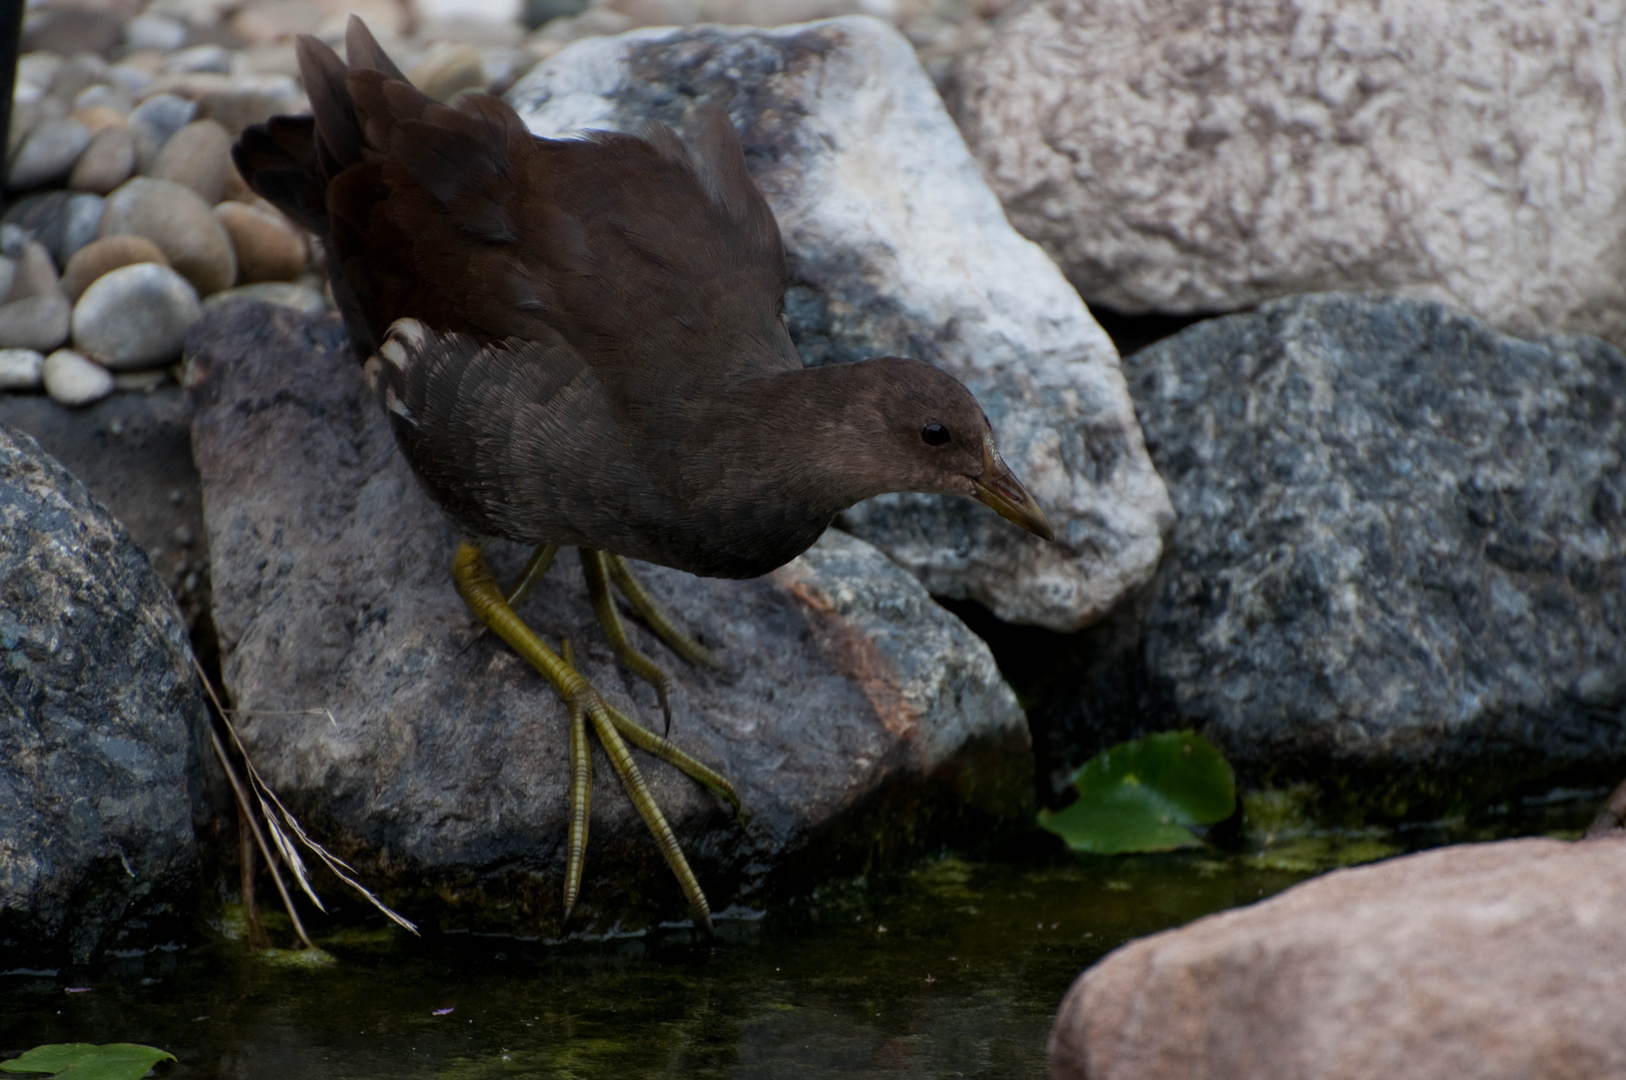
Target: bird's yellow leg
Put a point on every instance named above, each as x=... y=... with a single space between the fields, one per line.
x=536 y=566
x=654 y=616
x=581 y=793
x=598 y=590
x=480 y=592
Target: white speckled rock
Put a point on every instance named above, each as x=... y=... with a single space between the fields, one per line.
x=20 y=369
x=179 y=222
x=135 y=316
x=897 y=246
x=1189 y=156
x=48 y=153
x=72 y=380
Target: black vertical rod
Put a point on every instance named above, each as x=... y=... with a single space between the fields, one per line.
x=11 y=36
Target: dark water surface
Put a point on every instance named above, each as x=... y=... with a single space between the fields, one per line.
x=954 y=970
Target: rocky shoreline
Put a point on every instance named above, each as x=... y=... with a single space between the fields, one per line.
x=1366 y=532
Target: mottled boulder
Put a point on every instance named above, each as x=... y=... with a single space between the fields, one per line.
x=857 y=719
x=897 y=246
x=1400 y=563
x=1198 y=157
x=101 y=728
x=1491 y=961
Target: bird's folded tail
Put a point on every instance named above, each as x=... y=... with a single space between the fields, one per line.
x=290 y=160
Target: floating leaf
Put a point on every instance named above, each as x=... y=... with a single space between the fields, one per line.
x=88 y=1061
x=1141 y=795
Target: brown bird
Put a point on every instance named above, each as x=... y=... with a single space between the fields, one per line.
x=582 y=342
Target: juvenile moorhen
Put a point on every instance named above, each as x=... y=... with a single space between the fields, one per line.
x=581 y=342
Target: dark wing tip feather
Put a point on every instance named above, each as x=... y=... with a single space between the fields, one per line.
x=338 y=134
x=365 y=53
x=277 y=159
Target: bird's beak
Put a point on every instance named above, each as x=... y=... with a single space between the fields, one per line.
x=1000 y=489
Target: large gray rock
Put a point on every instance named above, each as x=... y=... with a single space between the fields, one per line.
x=1401 y=556
x=1193 y=156
x=1489 y=961
x=847 y=702
x=897 y=246
x=101 y=728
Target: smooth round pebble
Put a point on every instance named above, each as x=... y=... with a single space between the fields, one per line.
x=35 y=273
x=287 y=294
x=181 y=224
x=268 y=247
x=78 y=72
x=103 y=96
x=156 y=32
x=48 y=153
x=72 y=380
x=154 y=121
x=449 y=70
x=135 y=316
x=20 y=369
x=197 y=156
x=199 y=58
x=106 y=163
x=38 y=322
x=105 y=255
x=62 y=221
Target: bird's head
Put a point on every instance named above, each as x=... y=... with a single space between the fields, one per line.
x=938 y=440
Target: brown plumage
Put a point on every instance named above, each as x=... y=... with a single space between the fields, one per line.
x=599 y=357
x=580 y=342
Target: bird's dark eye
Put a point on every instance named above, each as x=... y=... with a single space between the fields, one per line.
x=935 y=434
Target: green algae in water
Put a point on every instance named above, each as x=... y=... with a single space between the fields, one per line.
x=953 y=969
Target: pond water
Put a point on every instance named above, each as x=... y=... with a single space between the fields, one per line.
x=951 y=970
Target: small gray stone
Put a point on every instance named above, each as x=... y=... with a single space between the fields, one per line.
x=48 y=153
x=73 y=380
x=286 y=294
x=197 y=156
x=79 y=71
x=35 y=70
x=106 y=163
x=8 y=274
x=154 y=121
x=156 y=32
x=103 y=96
x=199 y=58
x=35 y=273
x=135 y=316
x=62 y=221
x=20 y=369
x=129 y=77
x=181 y=224
x=39 y=322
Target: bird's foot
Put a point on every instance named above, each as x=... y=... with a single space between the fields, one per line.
x=586 y=705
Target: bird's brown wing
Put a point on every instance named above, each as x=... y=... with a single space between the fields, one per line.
x=663 y=270
x=516 y=438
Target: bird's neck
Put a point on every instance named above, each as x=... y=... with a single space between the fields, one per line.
x=812 y=433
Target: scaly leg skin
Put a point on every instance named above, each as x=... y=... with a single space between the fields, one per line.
x=480 y=592
x=655 y=617
x=596 y=571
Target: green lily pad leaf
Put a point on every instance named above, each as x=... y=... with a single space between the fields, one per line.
x=1142 y=795
x=88 y=1061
